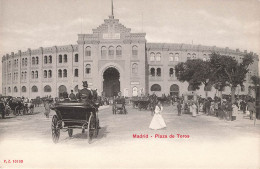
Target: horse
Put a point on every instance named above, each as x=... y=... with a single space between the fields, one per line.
x=16 y=105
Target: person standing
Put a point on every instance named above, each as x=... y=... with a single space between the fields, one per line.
x=157 y=121
x=251 y=108
x=194 y=110
x=47 y=108
x=72 y=96
x=179 y=108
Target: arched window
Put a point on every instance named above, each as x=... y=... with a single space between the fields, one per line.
x=176 y=59
x=152 y=72
x=45 y=60
x=37 y=60
x=158 y=56
x=45 y=74
x=9 y=89
x=34 y=89
x=88 y=69
x=23 y=62
x=36 y=74
x=22 y=75
x=23 y=89
x=60 y=58
x=15 y=89
x=32 y=74
x=171 y=72
x=25 y=74
x=174 y=90
x=50 y=74
x=111 y=51
x=65 y=58
x=76 y=59
x=152 y=57
x=88 y=51
x=155 y=88
x=158 y=72
x=33 y=61
x=103 y=51
x=65 y=73
x=76 y=73
x=118 y=51
x=134 y=50
x=135 y=91
x=59 y=73
x=171 y=57
x=134 y=68
x=47 y=88
x=50 y=59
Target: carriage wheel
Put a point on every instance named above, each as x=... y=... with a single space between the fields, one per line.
x=55 y=129
x=70 y=132
x=91 y=128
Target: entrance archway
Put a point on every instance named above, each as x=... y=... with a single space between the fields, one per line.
x=174 y=90
x=111 y=83
x=62 y=91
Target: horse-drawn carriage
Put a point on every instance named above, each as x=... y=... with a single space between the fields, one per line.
x=144 y=102
x=75 y=115
x=119 y=106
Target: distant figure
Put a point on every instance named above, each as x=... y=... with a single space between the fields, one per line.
x=194 y=110
x=72 y=96
x=251 y=109
x=179 y=108
x=157 y=121
x=47 y=108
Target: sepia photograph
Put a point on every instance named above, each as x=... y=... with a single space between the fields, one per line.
x=130 y=84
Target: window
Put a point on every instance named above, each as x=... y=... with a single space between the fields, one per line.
x=158 y=56
x=23 y=89
x=171 y=73
x=37 y=60
x=9 y=89
x=88 y=51
x=118 y=51
x=25 y=74
x=176 y=59
x=50 y=74
x=59 y=73
x=45 y=74
x=65 y=58
x=45 y=60
x=33 y=61
x=32 y=74
x=134 y=50
x=65 y=73
x=152 y=72
x=15 y=89
x=158 y=71
x=76 y=59
x=36 y=75
x=171 y=57
x=50 y=59
x=103 y=51
x=155 y=88
x=25 y=62
x=111 y=51
x=88 y=69
x=76 y=73
x=22 y=75
x=34 y=89
x=135 y=91
x=47 y=88
x=134 y=68
x=152 y=57
x=60 y=58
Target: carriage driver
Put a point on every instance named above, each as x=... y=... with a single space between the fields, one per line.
x=85 y=93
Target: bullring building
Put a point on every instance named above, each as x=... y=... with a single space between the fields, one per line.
x=111 y=59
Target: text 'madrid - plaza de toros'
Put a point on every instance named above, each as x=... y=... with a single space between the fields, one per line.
x=111 y=59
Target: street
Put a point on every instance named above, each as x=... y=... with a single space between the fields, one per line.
x=199 y=142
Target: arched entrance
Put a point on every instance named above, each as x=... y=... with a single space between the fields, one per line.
x=111 y=83
x=62 y=91
x=174 y=90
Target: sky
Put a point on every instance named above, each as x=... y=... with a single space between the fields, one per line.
x=44 y=23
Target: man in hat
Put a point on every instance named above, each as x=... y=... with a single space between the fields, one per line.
x=85 y=93
x=72 y=96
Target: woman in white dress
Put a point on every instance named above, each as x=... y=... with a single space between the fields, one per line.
x=194 y=110
x=157 y=121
